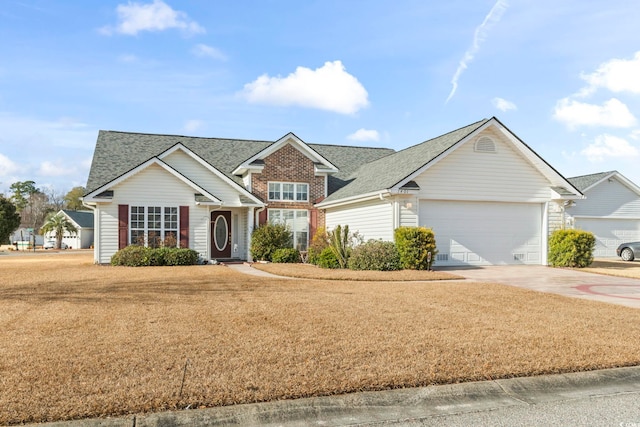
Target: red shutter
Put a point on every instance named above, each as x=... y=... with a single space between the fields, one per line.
x=184 y=226
x=313 y=223
x=262 y=217
x=123 y=226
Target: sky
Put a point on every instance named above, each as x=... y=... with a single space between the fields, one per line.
x=564 y=76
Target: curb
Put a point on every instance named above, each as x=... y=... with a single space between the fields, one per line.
x=365 y=408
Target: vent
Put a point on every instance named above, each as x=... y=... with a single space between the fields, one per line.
x=485 y=145
x=518 y=257
x=442 y=257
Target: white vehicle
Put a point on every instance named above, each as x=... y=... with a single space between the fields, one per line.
x=51 y=244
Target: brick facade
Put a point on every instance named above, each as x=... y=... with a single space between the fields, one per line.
x=288 y=164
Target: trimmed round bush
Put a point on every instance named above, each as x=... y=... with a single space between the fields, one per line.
x=180 y=256
x=327 y=259
x=375 y=255
x=268 y=238
x=571 y=248
x=132 y=256
x=416 y=246
x=286 y=255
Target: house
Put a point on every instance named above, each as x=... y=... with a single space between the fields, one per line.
x=610 y=210
x=484 y=192
x=83 y=237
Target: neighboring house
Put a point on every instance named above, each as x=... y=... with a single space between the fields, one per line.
x=611 y=210
x=483 y=191
x=83 y=221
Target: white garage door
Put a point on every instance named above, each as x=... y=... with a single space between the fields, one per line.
x=610 y=233
x=482 y=233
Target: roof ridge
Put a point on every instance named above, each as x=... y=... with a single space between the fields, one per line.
x=186 y=136
x=350 y=146
x=594 y=174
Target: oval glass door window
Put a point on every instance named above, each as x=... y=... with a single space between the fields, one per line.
x=221 y=233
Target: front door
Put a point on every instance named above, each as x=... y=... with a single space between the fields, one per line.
x=221 y=234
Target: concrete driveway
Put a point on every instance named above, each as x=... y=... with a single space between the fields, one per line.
x=571 y=283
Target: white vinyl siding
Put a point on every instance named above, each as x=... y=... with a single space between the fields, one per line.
x=206 y=179
x=408 y=212
x=485 y=233
x=466 y=174
x=610 y=233
x=608 y=199
x=372 y=219
x=148 y=188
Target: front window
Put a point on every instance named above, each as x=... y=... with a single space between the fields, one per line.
x=297 y=220
x=289 y=191
x=153 y=226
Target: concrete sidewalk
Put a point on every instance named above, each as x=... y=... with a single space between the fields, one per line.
x=394 y=406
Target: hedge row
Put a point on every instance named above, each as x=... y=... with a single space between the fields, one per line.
x=141 y=256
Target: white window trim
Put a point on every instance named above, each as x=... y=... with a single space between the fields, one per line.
x=146 y=229
x=295 y=192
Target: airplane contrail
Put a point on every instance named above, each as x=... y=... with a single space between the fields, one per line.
x=493 y=17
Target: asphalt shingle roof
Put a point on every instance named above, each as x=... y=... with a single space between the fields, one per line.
x=83 y=218
x=585 y=181
x=388 y=171
x=116 y=153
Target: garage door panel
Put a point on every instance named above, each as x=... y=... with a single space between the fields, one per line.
x=610 y=233
x=481 y=233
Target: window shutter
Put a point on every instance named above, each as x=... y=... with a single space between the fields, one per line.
x=262 y=217
x=123 y=226
x=184 y=226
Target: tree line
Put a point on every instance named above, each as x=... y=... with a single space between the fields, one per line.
x=31 y=207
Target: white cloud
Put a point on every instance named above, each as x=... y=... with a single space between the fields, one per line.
x=606 y=146
x=157 y=16
x=364 y=135
x=503 y=105
x=60 y=168
x=202 y=50
x=493 y=17
x=193 y=125
x=616 y=75
x=612 y=113
x=635 y=134
x=329 y=87
x=7 y=166
x=128 y=58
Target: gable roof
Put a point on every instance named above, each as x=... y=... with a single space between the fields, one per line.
x=303 y=147
x=587 y=182
x=83 y=219
x=385 y=173
x=398 y=169
x=117 y=153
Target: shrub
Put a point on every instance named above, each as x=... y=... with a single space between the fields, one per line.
x=267 y=238
x=571 y=248
x=286 y=255
x=375 y=255
x=157 y=256
x=132 y=256
x=327 y=259
x=180 y=256
x=416 y=246
x=140 y=256
x=342 y=242
x=319 y=242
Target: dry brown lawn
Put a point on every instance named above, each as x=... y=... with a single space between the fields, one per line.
x=309 y=271
x=615 y=267
x=80 y=340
